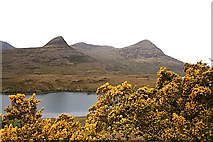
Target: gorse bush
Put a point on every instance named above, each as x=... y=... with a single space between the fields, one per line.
x=176 y=109
x=23 y=122
x=22 y=110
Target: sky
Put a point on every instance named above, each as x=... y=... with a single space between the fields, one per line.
x=180 y=28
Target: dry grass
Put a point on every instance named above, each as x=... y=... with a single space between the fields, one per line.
x=44 y=83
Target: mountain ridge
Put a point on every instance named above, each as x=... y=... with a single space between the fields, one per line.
x=143 y=53
x=57 y=66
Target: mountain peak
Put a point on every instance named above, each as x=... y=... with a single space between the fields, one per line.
x=145 y=43
x=142 y=49
x=57 y=42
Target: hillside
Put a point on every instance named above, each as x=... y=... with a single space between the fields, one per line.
x=57 y=66
x=56 y=53
x=148 y=55
x=143 y=57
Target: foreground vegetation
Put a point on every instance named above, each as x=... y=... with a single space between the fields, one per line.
x=176 y=109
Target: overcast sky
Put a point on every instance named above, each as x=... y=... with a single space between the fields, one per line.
x=181 y=28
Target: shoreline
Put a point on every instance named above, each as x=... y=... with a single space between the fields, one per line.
x=47 y=92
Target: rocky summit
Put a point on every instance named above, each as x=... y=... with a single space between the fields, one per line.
x=142 y=49
x=57 y=42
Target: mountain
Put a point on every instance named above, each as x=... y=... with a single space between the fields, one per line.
x=149 y=56
x=84 y=46
x=56 y=53
x=4 y=45
x=141 y=50
x=57 y=66
x=57 y=42
x=103 y=53
x=142 y=57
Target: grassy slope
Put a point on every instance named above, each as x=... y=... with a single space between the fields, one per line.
x=55 y=82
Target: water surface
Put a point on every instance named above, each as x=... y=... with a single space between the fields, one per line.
x=73 y=103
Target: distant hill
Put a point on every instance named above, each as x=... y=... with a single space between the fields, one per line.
x=99 y=52
x=149 y=55
x=57 y=66
x=143 y=56
x=56 y=53
x=4 y=45
x=142 y=50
